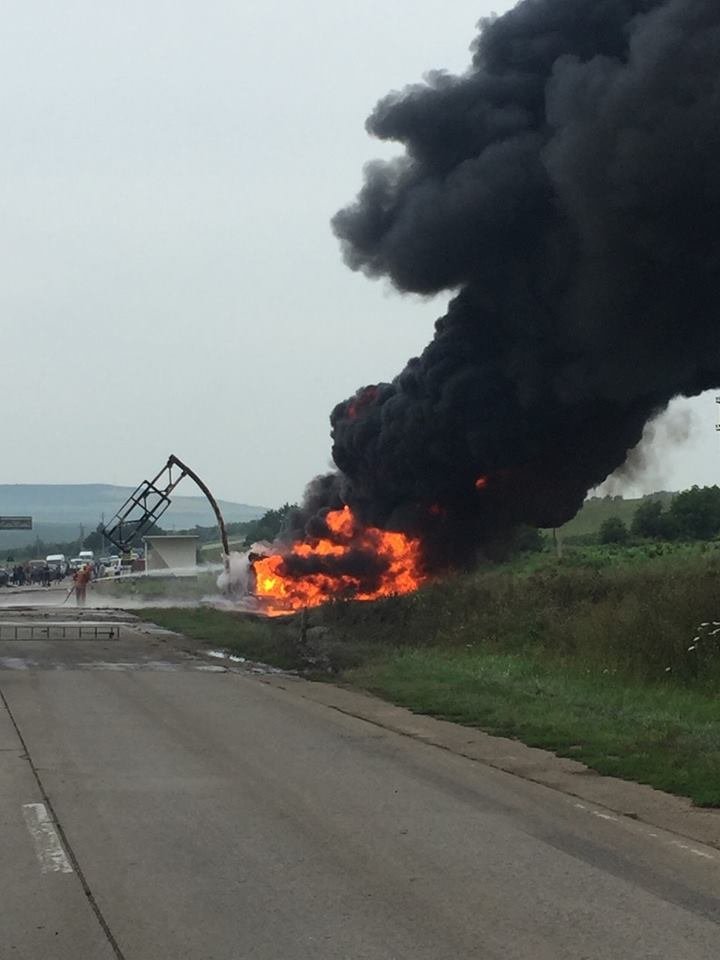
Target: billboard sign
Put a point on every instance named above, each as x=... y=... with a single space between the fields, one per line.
x=15 y=523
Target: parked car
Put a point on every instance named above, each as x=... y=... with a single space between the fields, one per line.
x=109 y=567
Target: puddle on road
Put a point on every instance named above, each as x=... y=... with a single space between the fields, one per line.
x=16 y=663
x=152 y=666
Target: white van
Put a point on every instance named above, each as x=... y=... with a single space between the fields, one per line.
x=87 y=556
x=57 y=563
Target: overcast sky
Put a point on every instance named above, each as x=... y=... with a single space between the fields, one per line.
x=170 y=281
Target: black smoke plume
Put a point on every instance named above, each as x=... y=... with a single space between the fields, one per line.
x=566 y=189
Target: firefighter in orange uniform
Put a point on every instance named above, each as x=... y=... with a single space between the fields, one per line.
x=82 y=578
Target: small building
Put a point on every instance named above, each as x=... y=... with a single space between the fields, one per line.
x=172 y=554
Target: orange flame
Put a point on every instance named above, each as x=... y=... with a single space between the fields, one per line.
x=481 y=483
x=361 y=399
x=396 y=556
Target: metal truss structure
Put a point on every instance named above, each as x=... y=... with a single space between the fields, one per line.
x=146 y=505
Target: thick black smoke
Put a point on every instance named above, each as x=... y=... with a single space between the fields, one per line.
x=567 y=189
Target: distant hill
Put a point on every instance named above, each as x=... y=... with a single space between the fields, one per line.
x=59 y=510
x=596 y=510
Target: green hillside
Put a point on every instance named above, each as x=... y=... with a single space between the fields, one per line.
x=596 y=510
x=59 y=510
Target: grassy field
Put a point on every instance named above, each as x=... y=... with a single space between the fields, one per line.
x=158 y=588
x=212 y=552
x=266 y=641
x=595 y=511
x=662 y=734
x=600 y=656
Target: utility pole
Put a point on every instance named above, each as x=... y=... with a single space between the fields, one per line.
x=557 y=540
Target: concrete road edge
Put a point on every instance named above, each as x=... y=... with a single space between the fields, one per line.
x=625 y=798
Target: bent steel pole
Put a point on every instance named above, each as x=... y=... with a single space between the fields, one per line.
x=175 y=461
x=150 y=500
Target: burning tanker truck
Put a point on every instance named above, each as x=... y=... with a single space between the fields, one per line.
x=565 y=190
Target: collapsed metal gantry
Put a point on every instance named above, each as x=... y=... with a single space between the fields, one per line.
x=145 y=505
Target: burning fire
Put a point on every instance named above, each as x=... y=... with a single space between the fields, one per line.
x=354 y=562
x=362 y=398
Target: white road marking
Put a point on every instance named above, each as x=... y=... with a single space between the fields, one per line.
x=704 y=854
x=48 y=848
x=108 y=665
x=693 y=850
x=605 y=816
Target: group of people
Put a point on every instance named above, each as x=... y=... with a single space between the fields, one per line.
x=25 y=574
x=36 y=574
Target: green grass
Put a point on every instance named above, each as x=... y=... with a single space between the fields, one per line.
x=213 y=552
x=595 y=511
x=635 y=619
x=660 y=734
x=266 y=641
x=156 y=587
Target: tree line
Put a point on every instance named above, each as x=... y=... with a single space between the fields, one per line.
x=692 y=515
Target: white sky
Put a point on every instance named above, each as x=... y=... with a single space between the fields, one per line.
x=170 y=280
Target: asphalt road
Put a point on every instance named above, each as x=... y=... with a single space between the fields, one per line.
x=154 y=809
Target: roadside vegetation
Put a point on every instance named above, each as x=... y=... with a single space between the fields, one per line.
x=690 y=516
x=189 y=589
x=609 y=655
x=243 y=535
x=265 y=641
x=602 y=643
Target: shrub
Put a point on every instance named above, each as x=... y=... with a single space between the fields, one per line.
x=636 y=617
x=613 y=530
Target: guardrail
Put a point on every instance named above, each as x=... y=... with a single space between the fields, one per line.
x=71 y=630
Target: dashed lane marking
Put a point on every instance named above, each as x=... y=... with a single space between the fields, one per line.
x=48 y=848
x=693 y=850
x=634 y=825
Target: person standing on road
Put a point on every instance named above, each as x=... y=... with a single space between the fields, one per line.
x=82 y=578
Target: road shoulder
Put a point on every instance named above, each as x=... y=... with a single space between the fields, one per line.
x=624 y=798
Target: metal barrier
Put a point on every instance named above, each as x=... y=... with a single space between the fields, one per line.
x=71 y=630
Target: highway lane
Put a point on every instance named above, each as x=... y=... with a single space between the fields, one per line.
x=209 y=815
